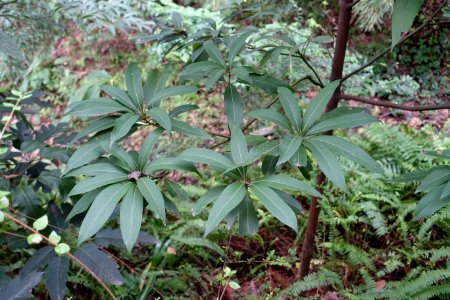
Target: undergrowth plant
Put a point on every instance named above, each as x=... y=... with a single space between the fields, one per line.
x=106 y=183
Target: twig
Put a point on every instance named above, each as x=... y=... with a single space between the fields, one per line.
x=70 y=255
x=381 y=54
x=393 y=105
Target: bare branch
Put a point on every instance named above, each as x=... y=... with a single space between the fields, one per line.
x=393 y=105
x=387 y=50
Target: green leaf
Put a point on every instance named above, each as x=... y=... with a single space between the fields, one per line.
x=241 y=73
x=92 y=183
x=272 y=116
x=41 y=223
x=446 y=190
x=101 y=209
x=95 y=169
x=214 y=52
x=153 y=196
x=57 y=273
x=131 y=216
x=300 y=157
x=161 y=117
x=95 y=126
x=124 y=156
x=186 y=129
x=269 y=164
x=275 y=205
x=147 y=147
x=169 y=164
x=173 y=91
x=269 y=148
x=239 y=151
x=176 y=190
x=122 y=126
x=430 y=203
x=268 y=83
x=290 y=107
x=318 y=104
x=233 y=105
x=328 y=163
x=182 y=109
x=54 y=237
x=236 y=46
x=291 y=201
x=288 y=147
x=343 y=121
x=199 y=69
x=417 y=175
x=62 y=248
x=96 y=107
x=206 y=199
x=83 y=203
x=119 y=95
x=34 y=239
x=403 y=15
x=230 y=198
x=248 y=218
x=282 y=182
x=87 y=152
x=155 y=82
x=435 y=178
x=215 y=76
x=209 y=157
x=351 y=151
x=133 y=82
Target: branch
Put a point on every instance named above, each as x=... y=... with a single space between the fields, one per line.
x=393 y=105
x=387 y=50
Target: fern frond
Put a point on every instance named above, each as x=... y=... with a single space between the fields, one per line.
x=439 y=291
x=376 y=218
x=425 y=280
x=355 y=255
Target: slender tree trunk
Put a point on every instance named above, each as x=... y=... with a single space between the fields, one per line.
x=345 y=12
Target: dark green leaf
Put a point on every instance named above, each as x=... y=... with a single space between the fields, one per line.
x=122 y=126
x=133 y=82
x=248 y=218
x=96 y=107
x=101 y=209
x=403 y=15
x=147 y=147
x=209 y=157
x=172 y=91
x=343 y=121
x=215 y=76
x=430 y=203
x=236 y=46
x=241 y=73
x=182 y=109
x=239 y=151
x=230 y=197
x=87 y=152
x=131 y=216
x=119 y=95
x=282 y=182
x=269 y=164
x=169 y=164
x=96 y=169
x=207 y=198
x=186 y=129
x=95 y=126
x=300 y=157
x=20 y=287
x=318 y=104
x=267 y=83
x=26 y=199
x=161 y=117
x=176 y=190
x=233 y=105
x=90 y=184
x=275 y=205
x=290 y=107
x=40 y=258
x=291 y=201
x=155 y=82
x=57 y=273
x=124 y=157
x=436 y=177
x=83 y=203
x=270 y=115
x=153 y=196
x=288 y=147
x=214 y=52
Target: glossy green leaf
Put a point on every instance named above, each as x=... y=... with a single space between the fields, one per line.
x=268 y=83
x=214 y=53
x=206 y=199
x=147 y=146
x=446 y=190
x=290 y=107
x=239 y=151
x=153 y=196
x=176 y=190
x=430 y=203
x=133 y=81
x=94 y=126
x=86 y=153
x=215 y=76
x=282 y=182
x=288 y=147
x=209 y=157
x=170 y=164
x=120 y=96
x=248 y=218
x=230 y=198
x=131 y=216
x=268 y=148
x=349 y=150
x=92 y=183
x=241 y=73
x=122 y=126
x=275 y=205
x=233 y=105
x=403 y=15
x=186 y=129
x=57 y=273
x=271 y=116
x=101 y=209
x=161 y=117
x=96 y=107
x=83 y=203
x=199 y=69
x=182 y=109
x=291 y=201
x=328 y=163
x=96 y=169
x=269 y=164
x=300 y=157
x=318 y=104
x=173 y=91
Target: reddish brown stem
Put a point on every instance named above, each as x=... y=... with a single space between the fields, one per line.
x=345 y=12
x=393 y=105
